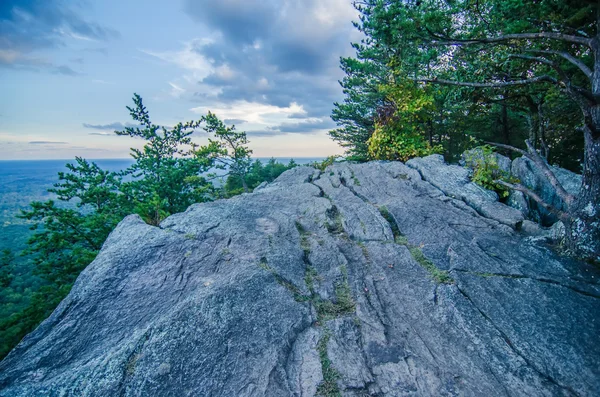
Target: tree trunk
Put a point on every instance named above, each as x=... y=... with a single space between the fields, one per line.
x=583 y=226
x=244 y=184
x=505 y=129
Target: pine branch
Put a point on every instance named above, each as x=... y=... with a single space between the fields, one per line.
x=518 y=36
x=582 y=66
x=491 y=85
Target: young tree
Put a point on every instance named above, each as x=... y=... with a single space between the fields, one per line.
x=166 y=177
x=229 y=150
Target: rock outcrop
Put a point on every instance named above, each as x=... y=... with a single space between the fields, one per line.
x=532 y=176
x=373 y=279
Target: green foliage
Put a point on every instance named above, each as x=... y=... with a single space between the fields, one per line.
x=439 y=276
x=256 y=174
x=166 y=176
x=328 y=387
x=322 y=165
x=228 y=150
x=390 y=142
x=399 y=133
x=388 y=113
x=487 y=173
x=6 y=276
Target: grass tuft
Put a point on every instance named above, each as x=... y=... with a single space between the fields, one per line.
x=328 y=387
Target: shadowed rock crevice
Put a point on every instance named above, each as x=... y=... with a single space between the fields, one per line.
x=515 y=349
x=363 y=279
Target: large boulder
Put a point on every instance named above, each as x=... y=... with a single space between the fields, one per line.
x=360 y=280
x=455 y=181
x=530 y=175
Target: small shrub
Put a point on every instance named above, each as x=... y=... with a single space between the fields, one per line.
x=487 y=173
x=322 y=165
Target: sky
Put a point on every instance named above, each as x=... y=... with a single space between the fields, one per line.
x=69 y=68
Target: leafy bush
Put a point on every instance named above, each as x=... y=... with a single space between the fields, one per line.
x=321 y=165
x=389 y=142
x=487 y=173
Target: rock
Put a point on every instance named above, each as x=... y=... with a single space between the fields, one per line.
x=365 y=279
x=518 y=201
x=261 y=186
x=455 y=182
x=531 y=176
x=471 y=157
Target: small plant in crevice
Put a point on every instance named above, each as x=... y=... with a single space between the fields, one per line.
x=310 y=276
x=295 y=291
x=439 y=276
x=344 y=303
x=322 y=165
x=387 y=215
x=304 y=242
x=328 y=387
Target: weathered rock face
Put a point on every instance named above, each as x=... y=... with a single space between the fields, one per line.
x=364 y=279
x=531 y=176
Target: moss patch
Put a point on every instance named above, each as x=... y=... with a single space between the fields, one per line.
x=328 y=387
x=295 y=291
x=439 y=276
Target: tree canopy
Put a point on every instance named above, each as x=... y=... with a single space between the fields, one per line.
x=438 y=75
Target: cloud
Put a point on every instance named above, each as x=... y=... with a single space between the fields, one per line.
x=112 y=126
x=306 y=126
x=27 y=26
x=12 y=59
x=264 y=53
x=252 y=112
x=47 y=143
x=102 y=133
x=234 y=121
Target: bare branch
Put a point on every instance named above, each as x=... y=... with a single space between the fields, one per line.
x=540 y=162
x=512 y=148
x=582 y=66
x=519 y=36
x=565 y=83
x=532 y=58
x=491 y=85
x=534 y=156
x=560 y=214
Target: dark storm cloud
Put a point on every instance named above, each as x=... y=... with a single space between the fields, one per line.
x=278 y=51
x=29 y=25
